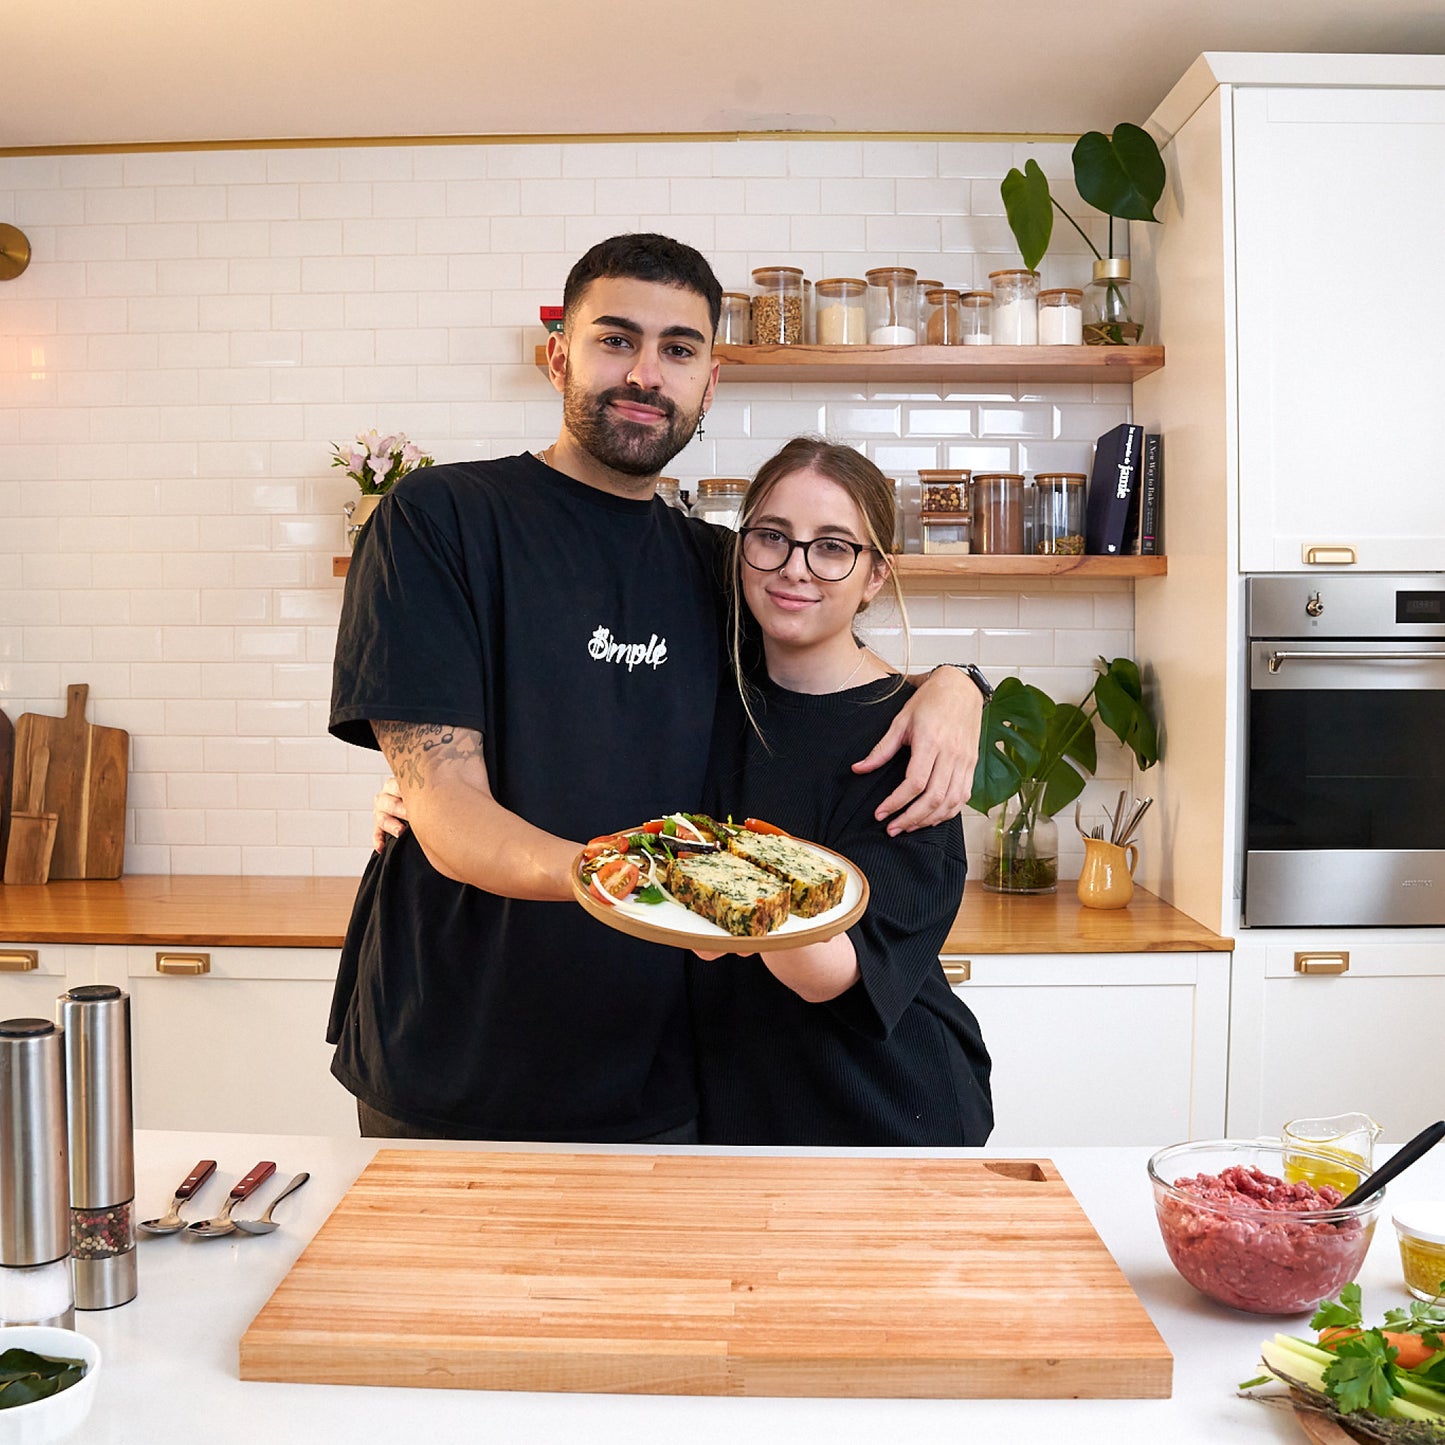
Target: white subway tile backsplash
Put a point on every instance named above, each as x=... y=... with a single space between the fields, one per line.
x=198 y=327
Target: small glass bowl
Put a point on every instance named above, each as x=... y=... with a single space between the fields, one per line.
x=1263 y=1261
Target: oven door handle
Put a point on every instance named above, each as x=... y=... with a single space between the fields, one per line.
x=1278 y=659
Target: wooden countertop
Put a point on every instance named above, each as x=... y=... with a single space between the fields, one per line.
x=194 y=911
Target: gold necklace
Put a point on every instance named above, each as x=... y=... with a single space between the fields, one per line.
x=862 y=658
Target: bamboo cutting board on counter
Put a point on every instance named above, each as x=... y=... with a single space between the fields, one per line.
x=84 y=786
x=710 y=1275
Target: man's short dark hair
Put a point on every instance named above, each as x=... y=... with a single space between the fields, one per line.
x=645 y=256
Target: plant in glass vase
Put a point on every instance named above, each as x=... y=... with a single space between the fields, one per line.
x=376 y=463
x=1121 y=175
x=1033 y=755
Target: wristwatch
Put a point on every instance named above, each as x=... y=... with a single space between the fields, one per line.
x=979 y=680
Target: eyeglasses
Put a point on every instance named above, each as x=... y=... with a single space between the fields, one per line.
x=829 y=559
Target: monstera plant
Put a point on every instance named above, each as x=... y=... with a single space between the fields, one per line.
x=1033 y=756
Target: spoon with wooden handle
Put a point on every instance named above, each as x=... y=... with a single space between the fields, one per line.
x=222 y=1224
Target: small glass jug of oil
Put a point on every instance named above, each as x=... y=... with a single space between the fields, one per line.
x=1348 y=1138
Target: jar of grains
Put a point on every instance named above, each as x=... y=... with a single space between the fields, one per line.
x=975 y=312
x=735 y=322
x=893 y=306
x=944 y=326
x=1059 y=514
x=996 y=513
x=841 y=318
x=1015 y=308
x=778 y=306
x=1061 y=317
x=720 y=500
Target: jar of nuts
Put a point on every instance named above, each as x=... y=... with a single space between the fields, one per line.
x=944 y=489
x=778 y=314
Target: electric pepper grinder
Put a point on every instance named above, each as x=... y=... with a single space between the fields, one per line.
x=96 y=1020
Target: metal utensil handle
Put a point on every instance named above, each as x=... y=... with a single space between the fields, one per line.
x=259 y=1175
x=291 y=1188
x=195 y=1178
x=1278 y=659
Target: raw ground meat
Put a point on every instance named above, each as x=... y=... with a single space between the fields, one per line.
x=1236 y=1238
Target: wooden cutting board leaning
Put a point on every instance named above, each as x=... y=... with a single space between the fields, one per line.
x=7 y=764
x=32 y=831
x=710 y=1275
x=84 y=787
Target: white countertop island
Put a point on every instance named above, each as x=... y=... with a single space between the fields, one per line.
x=170 y=1356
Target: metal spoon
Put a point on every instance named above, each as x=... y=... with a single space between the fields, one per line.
x=265 y=1224
x=171 y=1222
x=222 y=1224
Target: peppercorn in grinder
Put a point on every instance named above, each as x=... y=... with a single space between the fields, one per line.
x=96 y=1020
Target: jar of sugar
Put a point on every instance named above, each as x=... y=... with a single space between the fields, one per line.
x=1015 y=317
x=893 y=306
x=1061 y=317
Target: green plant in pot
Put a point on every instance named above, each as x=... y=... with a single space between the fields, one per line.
x=1033 y=756
x=1121 y=175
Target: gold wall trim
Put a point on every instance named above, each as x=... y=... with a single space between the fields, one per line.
x=621 y=138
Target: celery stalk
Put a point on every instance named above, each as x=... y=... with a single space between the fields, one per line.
x=1295 y=1359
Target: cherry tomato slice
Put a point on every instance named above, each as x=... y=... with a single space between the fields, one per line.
x=607 y=843
x=756 y=825
x=617 y=877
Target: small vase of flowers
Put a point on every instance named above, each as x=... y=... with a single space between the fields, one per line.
x=376 y=463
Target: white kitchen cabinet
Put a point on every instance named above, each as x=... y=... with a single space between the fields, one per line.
x=1102 y=1048
x=1313 y=1044
x=1339 y=201
x=34 y=975
x=239 y=1048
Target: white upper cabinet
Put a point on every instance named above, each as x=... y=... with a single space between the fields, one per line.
x=1339 y=237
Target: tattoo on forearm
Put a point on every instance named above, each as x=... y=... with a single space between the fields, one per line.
x=412 y=748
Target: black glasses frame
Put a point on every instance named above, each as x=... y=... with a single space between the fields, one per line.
x=858 y=548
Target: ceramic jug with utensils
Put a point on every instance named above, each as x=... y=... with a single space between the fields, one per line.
x=1107 y=877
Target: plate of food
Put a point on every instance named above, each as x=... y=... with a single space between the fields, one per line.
x=693 y=882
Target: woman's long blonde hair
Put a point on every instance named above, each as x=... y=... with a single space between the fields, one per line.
x=870 y=491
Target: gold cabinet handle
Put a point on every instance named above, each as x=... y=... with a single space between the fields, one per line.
x=19 y=960
x=1322 y=963
x=1316 y=556
x=183 y=963
x=957 y=970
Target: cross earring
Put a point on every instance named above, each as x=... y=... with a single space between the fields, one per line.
x=701 y=417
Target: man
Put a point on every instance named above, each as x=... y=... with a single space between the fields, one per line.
x=535 y=645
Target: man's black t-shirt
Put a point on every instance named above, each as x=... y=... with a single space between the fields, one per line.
x=580 y=634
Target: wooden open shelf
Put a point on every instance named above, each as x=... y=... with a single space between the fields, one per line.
x=953 y=366
x=912 y=564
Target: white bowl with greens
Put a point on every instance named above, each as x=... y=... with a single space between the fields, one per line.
x=47 y=1383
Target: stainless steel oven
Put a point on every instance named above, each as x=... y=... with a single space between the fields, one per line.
x=1345 y=770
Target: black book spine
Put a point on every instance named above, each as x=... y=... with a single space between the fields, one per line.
x=1150 y=506
x=1111 y=485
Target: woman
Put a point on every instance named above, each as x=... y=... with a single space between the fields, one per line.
x=860 y=1039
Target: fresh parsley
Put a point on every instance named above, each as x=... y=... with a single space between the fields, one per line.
x=1343 y=1313
x=1363 y=1375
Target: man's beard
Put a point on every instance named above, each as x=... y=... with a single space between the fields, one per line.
x=628 y=447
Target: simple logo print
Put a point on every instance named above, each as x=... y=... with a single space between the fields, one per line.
x=602 y=648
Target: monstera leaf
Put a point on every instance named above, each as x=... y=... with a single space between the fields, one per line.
x=1121 y=175
x=1030 y=210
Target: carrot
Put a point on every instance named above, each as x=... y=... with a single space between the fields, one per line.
x=1412 y=1350
x=756 y=825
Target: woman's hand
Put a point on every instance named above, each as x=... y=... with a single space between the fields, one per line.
x=388 y=814
x=940 y=723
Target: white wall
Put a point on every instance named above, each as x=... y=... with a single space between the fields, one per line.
x=197 y=327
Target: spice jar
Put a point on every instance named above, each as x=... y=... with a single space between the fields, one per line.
x=944 y=326
x=841 y=316
x=778 y=314
x=735 y=321
x=1111 y=315
x=975 y=318
x=720 y=500
x=996 y=513
x=1015 y=308
x=1059 y=514
x=1061 y=317
x=1420 y=1228
x=893 y=306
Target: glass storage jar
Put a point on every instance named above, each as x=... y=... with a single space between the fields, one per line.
x=892 y=306
x=945 y=489
x=944 y=326
x=720 y=500
x=1112 y=315
x=841 y=317
x=1015 y=308
x=735 y=322
x=1059 y=514
x=907 y=533
x=778 y=314
x=975 y=311
x=1061 y=317
x=669 y=489
x=925 y=306
x=996 y=513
